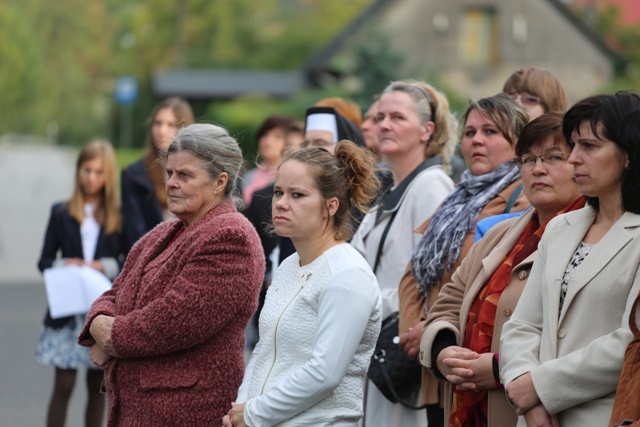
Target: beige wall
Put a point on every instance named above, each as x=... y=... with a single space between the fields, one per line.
x=552 y=42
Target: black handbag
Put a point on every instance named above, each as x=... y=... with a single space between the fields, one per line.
x=396 y=376
x=393 y=373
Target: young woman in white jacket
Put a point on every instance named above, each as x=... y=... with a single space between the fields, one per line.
x=323 y=310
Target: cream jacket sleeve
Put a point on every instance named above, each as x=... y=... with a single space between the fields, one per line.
x=343 y=313
x=577 y=358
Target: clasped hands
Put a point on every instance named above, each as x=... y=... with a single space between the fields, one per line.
x=102 y=351
x=471 y=371
x=235 y=416
x=523 y=397
x=465 y=368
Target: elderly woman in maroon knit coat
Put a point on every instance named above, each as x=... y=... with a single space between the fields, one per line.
x=170 y=333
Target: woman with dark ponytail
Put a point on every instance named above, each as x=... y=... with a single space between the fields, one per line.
x=323 y=310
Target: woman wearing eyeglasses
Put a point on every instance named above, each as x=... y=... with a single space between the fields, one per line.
x=561 y=352
x=488 y=133
x=462 y=332
x=537 y=91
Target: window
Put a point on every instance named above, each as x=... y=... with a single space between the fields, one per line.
x=479 y=37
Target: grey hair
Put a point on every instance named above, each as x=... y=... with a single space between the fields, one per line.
x=423 y=101
x=218 y=151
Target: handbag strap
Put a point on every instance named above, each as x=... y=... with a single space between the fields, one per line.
x=382 y=239
x=387 y=380
x=513 y=198
x=389 y=197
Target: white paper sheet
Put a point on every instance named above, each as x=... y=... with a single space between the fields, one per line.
x=71 y=289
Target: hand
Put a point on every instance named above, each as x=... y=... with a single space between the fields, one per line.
x=522 y=393
x=100 y=330
x=455 y=375
x=539 y=417
x=78 y=262
x=410 y=341
x=481 y=367
x=235 y=416
x=466 y=368
x=99 y=356
x=96 y=265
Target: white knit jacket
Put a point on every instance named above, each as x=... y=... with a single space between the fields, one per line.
x=318 y=329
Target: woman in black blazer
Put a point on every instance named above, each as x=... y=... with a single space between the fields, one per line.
x=144 y=197
x=83 y=231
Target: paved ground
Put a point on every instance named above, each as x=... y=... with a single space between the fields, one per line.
x=33 y=177
x=25 y=385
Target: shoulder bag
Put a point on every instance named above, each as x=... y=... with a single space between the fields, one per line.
x=396 y=375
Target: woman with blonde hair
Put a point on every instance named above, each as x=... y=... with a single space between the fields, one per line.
x=83 y=231
x=416 y=132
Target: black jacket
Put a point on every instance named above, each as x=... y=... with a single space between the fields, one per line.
x=141 y=210
x=62 y=239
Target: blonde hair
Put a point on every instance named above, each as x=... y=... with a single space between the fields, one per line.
x=431 y=105
x=503 y=111
x=107 y=213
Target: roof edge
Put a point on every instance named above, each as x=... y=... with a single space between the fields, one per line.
x=326 y=53
x=590 y=33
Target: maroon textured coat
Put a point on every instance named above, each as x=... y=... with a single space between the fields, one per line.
x=180 y=315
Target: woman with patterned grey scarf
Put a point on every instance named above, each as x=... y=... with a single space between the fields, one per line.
x=491 y=185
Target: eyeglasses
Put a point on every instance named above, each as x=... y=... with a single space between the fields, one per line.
x=526 y=99
x=549 y=160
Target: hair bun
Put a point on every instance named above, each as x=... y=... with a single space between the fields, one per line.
x=359 y=165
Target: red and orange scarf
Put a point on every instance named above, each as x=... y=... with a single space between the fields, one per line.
x=470 y=408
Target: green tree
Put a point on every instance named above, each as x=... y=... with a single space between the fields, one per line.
x=23 y=70
x=63 y=58
x=56 y=67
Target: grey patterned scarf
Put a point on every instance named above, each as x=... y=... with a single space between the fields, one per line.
x=453 y=220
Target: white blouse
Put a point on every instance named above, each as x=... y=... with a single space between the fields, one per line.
x=318 y=330
x=89 y=233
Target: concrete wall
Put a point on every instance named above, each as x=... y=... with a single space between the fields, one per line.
x=552 y=42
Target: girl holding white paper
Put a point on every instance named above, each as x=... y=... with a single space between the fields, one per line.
x=83 y=231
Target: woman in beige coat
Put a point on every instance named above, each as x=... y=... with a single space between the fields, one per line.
x=489 y=131
x=562 y=349
x=496 y=269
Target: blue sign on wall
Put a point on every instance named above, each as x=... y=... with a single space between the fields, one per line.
x=126 y=90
